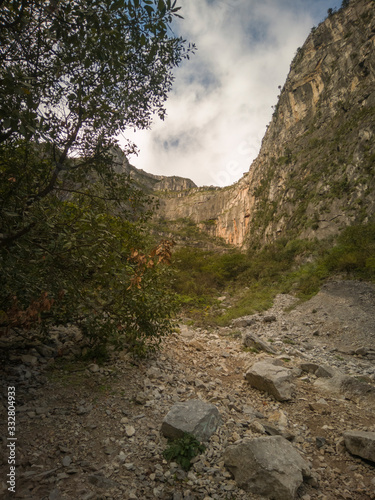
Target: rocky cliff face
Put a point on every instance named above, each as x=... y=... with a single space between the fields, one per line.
x=315 y=170
x=149 y=182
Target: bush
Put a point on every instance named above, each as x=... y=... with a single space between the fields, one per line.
x=182 y=450
x=254 y=278
x=354 y=252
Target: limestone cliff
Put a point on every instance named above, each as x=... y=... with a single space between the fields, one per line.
x=146 y=181
x=315 y=170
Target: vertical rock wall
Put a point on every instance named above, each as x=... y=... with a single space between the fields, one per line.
x=315 y=170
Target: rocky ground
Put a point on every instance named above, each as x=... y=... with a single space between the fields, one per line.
x=89 y=432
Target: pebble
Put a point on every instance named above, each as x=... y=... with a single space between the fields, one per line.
x=129 y=430
x=66 y=461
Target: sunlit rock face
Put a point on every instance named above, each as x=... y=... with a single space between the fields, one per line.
x=314 y=174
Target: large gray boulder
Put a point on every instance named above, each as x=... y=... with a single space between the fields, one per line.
x=194 y=417
x=361 y=443
x=268 y=466
x=273 y=379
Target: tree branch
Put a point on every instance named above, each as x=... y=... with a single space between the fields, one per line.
x=6 y=240
x=60 y=163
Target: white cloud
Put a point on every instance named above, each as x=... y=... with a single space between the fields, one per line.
x=222 y=97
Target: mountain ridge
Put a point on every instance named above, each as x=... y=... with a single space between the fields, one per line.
x=314 y=173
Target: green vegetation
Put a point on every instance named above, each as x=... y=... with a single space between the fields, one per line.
x=186 y=231
x=202 y=275
x=182 y=450
x=73 y=241
x=252 y=279
x=354 y=253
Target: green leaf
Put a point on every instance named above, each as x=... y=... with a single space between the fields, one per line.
x=149 y=10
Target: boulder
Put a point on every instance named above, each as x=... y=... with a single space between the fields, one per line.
x=309 y=367
x=344 y=384
x=276 y=380
x=269 y=319
x=194 y=417
x=243 y=322
x=361 y=443
x=268 y=466
x=325 y=371
x=252 y=340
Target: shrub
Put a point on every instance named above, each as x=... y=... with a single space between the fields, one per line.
x=182 y=450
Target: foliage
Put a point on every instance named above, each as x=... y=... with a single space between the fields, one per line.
x=182 y=450
x=83 y=257
x=76 y=73
x=296 y=266
x=73 y=244
x=354 y=253
x=201 y=274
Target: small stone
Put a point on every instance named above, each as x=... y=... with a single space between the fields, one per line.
x=129 y=430
x=94 y=368
x=269 y=319
x=28 y=359
x=66 y=461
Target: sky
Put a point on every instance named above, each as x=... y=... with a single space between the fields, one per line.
x=222 y=97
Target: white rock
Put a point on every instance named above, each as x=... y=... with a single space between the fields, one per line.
x=129 y=430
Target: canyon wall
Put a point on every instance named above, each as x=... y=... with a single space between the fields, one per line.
x=315 y=171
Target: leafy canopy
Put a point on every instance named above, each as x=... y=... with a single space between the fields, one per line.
x=75 y=73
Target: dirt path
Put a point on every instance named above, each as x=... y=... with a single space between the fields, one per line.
x=89 y=432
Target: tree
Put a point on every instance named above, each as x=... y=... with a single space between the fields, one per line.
x=73 y=74
x=76 y=72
